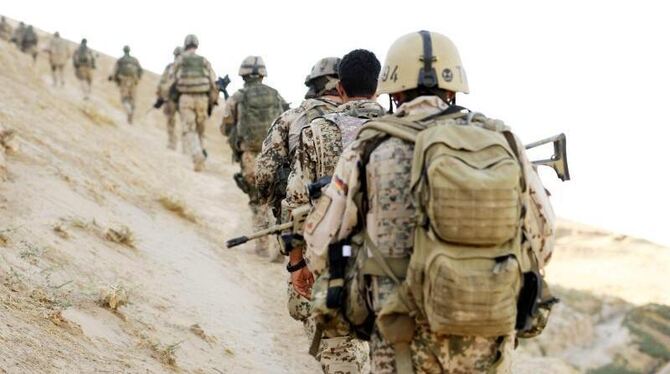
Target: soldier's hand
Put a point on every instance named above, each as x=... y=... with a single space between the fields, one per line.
x=302 y=282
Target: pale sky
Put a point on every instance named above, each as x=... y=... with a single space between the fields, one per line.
x=597 y=70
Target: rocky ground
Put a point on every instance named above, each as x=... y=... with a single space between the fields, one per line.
x=112 y=256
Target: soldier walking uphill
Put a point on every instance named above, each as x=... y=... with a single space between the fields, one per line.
x=247 y=116
x=168 y=103
x=84 y=64
x=274 y=161
x=5 y=29
x=430 y=205
x=319 y=147
x=127 y=74
x=59 y=52
x=17 y=37
x=195 y=85
x=29 y=41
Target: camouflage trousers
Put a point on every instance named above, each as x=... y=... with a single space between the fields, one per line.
x=85 y=76
x=432 y=353
x=343 y=354
x=193 y=112
x=260 y=213
x=57 y=74
x=128 y=89
x=170 y=111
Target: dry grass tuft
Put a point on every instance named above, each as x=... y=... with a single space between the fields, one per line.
x=177 y=207
x=198 y=331
x=60 y=230
x=97 y=117
x=114 y=297
x=4 y=239
x=122 y=235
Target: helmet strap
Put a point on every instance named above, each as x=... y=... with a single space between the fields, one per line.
x=427 y=75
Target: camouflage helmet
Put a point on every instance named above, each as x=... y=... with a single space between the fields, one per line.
x=422 y=59
x=253 y=65
x=177 y=51
x=84 y=41
x=57 y=34
x=191 y=41
x=323 y=67
x=126 y=49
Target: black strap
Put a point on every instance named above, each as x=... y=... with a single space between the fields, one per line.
x=427 y=76
x=293 y=268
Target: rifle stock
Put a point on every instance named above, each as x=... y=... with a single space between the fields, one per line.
x=559 y=160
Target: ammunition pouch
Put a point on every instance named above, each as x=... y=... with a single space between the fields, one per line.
x=173 y=93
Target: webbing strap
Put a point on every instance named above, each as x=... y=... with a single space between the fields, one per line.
x=379 y=259
x=427 y=76
x=403 y=358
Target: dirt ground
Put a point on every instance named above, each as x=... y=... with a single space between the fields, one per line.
x=112 y=254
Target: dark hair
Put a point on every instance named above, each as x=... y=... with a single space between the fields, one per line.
x=359 y=71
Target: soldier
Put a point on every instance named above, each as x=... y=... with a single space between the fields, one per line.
x=5 y=29
x=247 y=115
x=17 y=38
x=29 y=42
x=59 y=52
x=84 y=64
x=127 y=74
x=319 y=147
x=195 y=84
x=273 y=163
x=168 y=103
x=439 y=252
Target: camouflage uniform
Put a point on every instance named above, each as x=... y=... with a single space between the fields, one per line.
x=169 y=105
x=5 y=30
x=319 y=147
x=389 y=223
x=29 y=42
x=196 y=96
x=127 y=74
x=247 y=158
x=17 y=37
x=84 y=64
x=59 y=52
x=274 y=160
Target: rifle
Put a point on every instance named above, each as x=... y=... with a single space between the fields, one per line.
x=296 y=220
x=222 y=84
x=558 y=161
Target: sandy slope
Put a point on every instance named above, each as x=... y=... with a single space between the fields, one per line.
x=82 y=170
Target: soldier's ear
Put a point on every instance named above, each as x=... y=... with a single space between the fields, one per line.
x=341 y=91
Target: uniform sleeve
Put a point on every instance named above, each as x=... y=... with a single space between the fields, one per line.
x=302 y=171
x=335 y=214
x=230 y=113
x=540 y=220
x=273 y=156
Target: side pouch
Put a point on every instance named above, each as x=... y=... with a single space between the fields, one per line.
x=396 y=323
x=356 y=307
x=537 y=320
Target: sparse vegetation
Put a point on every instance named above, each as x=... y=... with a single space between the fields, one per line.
x=97 y=117
x=177 y=207
x=60 y=230
x=122 y=235
x=113 y=297
x=198 y=331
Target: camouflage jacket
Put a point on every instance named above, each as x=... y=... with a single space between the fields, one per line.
x=321 y=143
x=230 y=112
x=122 y=64
x=389 y=221
x=274 y=160
x=209 y=80
x=163 y=89
x=59 y=51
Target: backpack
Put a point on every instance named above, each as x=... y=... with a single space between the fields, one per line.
x=83 y=57
x=257 y=108
x=128 y=67
x=470 y=272
x=193 y=76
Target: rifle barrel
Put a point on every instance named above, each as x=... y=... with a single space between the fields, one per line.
x=270 y=230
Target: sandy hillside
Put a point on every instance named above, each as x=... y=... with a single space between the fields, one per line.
x=112 y=256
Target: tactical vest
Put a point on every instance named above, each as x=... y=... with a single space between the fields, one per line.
x=83 y=57
x=257 y=109
x=313 y=108
x=29 y=38
x=193 y=75
x=128 y=67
